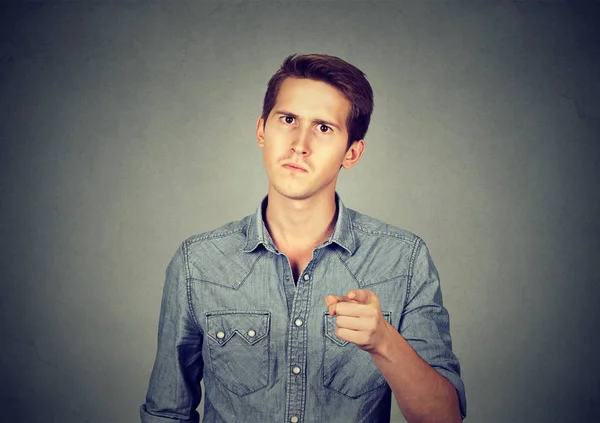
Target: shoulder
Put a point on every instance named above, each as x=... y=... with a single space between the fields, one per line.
x=367 y=227
x=230 y=231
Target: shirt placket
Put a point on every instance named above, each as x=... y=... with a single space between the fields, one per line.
x=298 y=345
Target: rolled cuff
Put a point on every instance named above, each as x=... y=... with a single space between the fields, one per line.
x=148 y=417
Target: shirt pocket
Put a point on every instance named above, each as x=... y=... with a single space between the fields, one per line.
x=238 y=344
x=346 y=368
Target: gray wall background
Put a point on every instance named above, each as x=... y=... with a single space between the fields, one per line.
x=128 y=126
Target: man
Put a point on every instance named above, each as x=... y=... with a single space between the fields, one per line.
x=305 y=311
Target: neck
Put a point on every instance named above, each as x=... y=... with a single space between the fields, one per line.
x=299 y=225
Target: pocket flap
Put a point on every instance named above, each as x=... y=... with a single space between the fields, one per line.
x=253 y=326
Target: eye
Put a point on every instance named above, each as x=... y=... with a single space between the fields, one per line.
x=288 y=119
x=324 y=129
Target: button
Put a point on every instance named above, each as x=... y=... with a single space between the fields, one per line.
x=294 y=419
x=296 y=370
x=298 y=322
x=306 y=277
x=251 y=333
x=220 y=335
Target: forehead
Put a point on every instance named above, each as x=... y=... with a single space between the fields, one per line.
x=310 y=99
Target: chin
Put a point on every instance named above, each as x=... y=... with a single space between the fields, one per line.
x=293 y=193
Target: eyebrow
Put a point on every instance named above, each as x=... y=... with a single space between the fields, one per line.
x=319 y=121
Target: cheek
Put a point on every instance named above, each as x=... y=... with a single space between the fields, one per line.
x=272 y=153
x=335 y=156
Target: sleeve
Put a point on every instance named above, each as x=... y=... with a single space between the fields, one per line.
x=425 y=323
x=174 y=388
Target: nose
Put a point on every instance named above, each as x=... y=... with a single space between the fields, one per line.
x=300 y=141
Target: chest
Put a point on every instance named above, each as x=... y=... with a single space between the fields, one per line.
x=298 y=262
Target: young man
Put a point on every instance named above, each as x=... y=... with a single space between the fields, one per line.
x=305 y=311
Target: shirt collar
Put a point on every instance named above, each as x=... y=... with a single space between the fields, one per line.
x=343 y=234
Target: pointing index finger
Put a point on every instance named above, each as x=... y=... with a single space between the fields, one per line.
x=360 y=295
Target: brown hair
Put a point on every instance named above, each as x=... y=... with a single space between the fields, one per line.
x=348 y=79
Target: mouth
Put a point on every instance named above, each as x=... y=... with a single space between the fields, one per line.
x=294 y=167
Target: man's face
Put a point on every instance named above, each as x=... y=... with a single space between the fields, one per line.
x=305 y=139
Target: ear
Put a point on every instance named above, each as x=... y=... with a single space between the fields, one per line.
x=353 y=154
x=260 y=131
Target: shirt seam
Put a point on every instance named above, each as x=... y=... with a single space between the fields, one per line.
x=347 y=268
x=410 y=240
x=411 y=264
x=408 y=276
x=188 y=286
x=211 y=235
x=193 y=279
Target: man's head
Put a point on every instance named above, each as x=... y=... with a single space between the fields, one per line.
x=315 y=115
x=346 y=78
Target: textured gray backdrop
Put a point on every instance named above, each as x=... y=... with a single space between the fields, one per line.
x=128 y=126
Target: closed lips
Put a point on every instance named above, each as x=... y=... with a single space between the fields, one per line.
x=294 y=166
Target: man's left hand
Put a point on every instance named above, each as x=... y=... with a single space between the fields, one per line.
x=359 y=319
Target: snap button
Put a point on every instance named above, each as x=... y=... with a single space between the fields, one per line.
x=251 y=333
x=220 y=335
x=294 y=419
x=306 y=277
x=298 y=322
x=296 y=370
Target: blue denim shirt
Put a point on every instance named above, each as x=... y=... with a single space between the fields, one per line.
x=266 y=347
